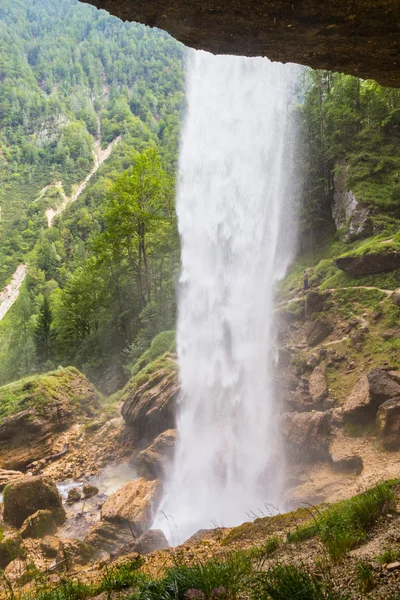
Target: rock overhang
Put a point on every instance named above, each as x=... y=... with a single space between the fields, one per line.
x=357 y=37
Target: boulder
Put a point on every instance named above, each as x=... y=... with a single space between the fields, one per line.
x=360 y=225
x=307 y=435
x=369 y=264
x=154 y=460
x=150 y=400
x=318 y=386
x=7 y=477
x=134 y=504
x=314 y=302
x=152 y=540
x=318 y=330
x=108 y=537
x=38 y=525
x=27 y=495
x=74 y=495
x=388 y=420
x=368 y=394
x=46 y=405
x=90 y=490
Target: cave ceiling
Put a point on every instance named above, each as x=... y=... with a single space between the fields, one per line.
x=358 y=37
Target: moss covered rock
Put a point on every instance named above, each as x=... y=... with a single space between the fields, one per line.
x=38 y=525
x=25 y=497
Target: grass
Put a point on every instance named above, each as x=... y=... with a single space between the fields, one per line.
x=163 y=342
x=365 y=576
x=346 y=524
x=390 y=554
x=271 y=546
x=296 y=582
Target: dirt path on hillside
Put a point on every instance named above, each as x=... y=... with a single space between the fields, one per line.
x=11 y=292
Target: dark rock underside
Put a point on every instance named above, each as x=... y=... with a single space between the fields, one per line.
x=358 y=37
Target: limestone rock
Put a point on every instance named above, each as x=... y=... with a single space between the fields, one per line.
x=307 y=435
x=388 y=420
x=152 y=540
x=369 y=264
x=150 y=400
x=134 y=503
x=27 y=495
x=16 y=570
x=7 y=477
x=318 y=330
x=318 y=384
x=154 y=460
x=360 y=225
x=368 y=394
x=38 y=525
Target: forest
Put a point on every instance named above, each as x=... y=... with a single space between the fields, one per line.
x=102 y=280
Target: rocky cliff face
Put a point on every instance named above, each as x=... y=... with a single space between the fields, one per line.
x=359 y=38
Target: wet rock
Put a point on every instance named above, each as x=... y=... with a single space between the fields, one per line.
x=90 y=490
x=347 y=463
x=134 y=503
x=318 y=330
x=307 y=435
x=153 y=461
x=318 y=385
x=368 y=394
x=7 y=477
x=38 y=525
x=369 y=264
x=152 y=540
x=27 y=495
x=388 y=419
x=150 y=401
x=312 y=360
x=74 y=495
x=360 y=225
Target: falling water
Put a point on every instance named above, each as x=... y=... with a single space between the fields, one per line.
x=237 y=234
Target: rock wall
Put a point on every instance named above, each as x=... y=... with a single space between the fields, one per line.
x=360 y=38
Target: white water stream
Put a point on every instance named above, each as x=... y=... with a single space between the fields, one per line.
x=237 y=230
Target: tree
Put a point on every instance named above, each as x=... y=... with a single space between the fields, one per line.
x=43 y=332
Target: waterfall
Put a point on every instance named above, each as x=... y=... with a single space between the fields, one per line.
x=237 y=233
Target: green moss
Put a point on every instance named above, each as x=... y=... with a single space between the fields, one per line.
x=39 y=390
x=162 y=343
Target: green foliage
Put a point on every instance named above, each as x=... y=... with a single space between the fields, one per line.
x=365 y=576
x=350 y=119
x=345 y=524
x=388 y=555
x=163 y=342
x=271 y=545
x=37 y=391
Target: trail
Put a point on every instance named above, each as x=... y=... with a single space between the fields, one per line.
x=99 y=157
x=11 y=292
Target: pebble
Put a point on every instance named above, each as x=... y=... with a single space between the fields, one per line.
x=393 y=566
